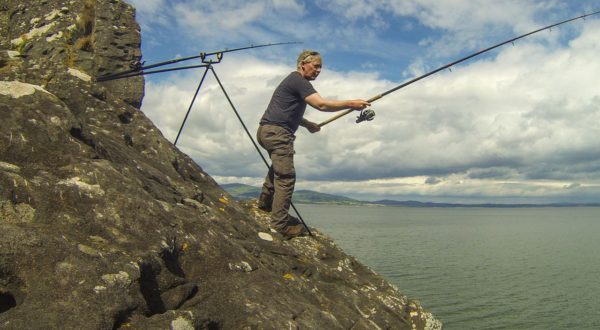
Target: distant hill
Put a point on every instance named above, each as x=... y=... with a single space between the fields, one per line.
x=242 y=191
x=489 y=205
x=309 y=196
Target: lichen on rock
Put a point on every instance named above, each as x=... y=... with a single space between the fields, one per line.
x=17 y=89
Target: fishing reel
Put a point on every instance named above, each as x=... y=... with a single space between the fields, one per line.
x=367 y=114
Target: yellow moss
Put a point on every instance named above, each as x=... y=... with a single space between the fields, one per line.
x=71 y=57
x=184 y=247
x=81 y=38
x=85 y=43
x=85 y=22
x=20 y=46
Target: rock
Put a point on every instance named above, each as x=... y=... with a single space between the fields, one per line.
x=265 y=236
x=243 y=266
x=106 y=225
x=182 y=323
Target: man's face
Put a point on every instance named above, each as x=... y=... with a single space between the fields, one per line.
x=311 y=70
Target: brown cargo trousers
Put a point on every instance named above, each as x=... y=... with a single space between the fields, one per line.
x=279 y=182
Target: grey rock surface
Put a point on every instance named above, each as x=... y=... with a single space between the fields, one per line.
x=106 y=225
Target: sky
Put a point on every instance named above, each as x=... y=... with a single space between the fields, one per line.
x=518 y=124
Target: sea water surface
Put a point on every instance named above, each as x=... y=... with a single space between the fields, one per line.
x=479 y=268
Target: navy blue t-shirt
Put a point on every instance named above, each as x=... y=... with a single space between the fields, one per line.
x=287 y=104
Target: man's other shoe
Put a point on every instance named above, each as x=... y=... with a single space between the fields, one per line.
x=293 y=231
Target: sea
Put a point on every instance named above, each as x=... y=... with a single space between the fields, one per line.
x=479 y=268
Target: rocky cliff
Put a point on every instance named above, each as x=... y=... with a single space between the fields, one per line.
x=106 y=225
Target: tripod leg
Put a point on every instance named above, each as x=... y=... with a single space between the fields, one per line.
x=191 y=104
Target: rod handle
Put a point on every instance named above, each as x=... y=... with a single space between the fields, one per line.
x=345 y=112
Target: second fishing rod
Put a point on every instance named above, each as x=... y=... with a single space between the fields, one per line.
x=139 y=69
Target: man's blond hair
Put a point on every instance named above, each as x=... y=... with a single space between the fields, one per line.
x=306 y=56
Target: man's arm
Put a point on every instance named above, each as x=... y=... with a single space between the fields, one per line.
x=310 y=126
x=316 y=101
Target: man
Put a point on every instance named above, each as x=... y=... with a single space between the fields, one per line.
x=276 y=134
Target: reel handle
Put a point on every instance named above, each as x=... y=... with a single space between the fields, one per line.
x=345 y=112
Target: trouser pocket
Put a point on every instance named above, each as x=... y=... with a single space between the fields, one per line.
x=276 y=139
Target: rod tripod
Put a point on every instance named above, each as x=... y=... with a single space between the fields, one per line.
x=138 y=69
x=209 y=66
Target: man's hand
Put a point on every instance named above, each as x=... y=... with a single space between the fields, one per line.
x=358 y=104
x=310 y=126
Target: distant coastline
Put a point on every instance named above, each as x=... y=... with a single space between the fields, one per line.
x=242 y=192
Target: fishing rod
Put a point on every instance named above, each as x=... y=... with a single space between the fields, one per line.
x=133 y=74
x=370 y=114
x=138 y=67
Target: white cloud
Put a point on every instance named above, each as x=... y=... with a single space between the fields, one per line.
x=151 y=12
x=214 y=17
x=232 y=20
x=292 y=5
x=148 y=6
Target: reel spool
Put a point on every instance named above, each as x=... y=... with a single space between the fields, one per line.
x=367 y=114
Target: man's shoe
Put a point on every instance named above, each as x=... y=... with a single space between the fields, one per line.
x=293 y=231
x=292 y=220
